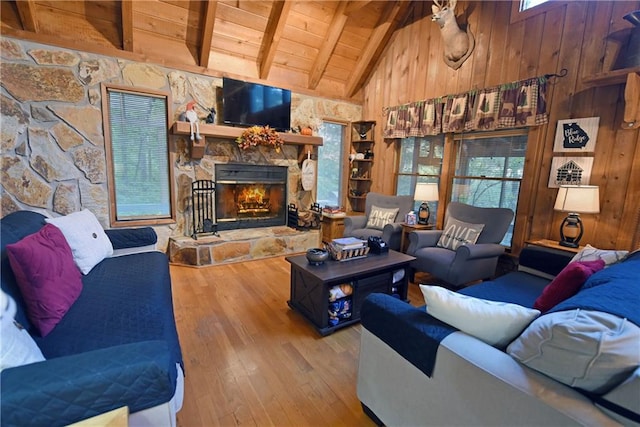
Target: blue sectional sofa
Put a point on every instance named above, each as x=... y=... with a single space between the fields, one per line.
x=116 y=346
x=417 y=370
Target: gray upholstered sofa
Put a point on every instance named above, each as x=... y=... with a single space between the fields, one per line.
x=416 y=370
x=356 y=225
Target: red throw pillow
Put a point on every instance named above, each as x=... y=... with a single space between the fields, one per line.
x=48 y=278
x=567 y=283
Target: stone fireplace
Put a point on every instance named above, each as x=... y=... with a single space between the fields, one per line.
x=250 y=228
x=250 y=196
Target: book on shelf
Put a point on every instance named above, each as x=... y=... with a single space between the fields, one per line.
x=346 y=243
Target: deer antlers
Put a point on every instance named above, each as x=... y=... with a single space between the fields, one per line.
x=458 y=44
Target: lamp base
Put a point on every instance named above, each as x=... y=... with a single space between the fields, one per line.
x=423 y=214
x=568 y=244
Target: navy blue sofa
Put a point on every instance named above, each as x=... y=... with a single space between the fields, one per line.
x=116 y=346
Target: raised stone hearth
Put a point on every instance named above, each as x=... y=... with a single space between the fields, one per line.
x=241 y=245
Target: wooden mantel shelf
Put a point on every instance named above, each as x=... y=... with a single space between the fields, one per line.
x=609 y=78
x=217 y=131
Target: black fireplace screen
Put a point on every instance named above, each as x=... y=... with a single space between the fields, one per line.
x=202 y=196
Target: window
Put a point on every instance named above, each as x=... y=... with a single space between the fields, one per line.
x=139 y=170
x=330 y=161
x=489 y=171
x=528 y=4
x=420 y=161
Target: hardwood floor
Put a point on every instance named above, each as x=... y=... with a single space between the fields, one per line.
x=251 y=360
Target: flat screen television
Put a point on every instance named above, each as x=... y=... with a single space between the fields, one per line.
x=249 y=104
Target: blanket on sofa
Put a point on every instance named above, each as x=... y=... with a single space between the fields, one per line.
x=614 y=290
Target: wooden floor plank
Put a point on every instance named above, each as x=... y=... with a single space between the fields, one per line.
x=251 y=360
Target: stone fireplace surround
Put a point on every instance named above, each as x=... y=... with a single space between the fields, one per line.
x=239 y=244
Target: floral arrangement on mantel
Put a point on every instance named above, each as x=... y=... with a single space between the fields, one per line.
x=260 y=135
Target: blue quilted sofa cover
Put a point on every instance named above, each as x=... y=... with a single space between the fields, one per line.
x=116 y=346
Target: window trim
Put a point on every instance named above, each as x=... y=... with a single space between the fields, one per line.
x=517 y=15
x=106 y=120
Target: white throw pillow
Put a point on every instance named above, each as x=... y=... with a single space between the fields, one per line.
x=456 y=233
x=379 y=217
x=17 y=348
x=589 y=253
x=496 y=323
x=587 y=349
x=86 y=238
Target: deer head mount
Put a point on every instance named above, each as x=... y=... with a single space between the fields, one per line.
x=458 y=44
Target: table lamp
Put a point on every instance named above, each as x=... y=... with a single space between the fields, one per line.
x=575 y=199
x=426 y=192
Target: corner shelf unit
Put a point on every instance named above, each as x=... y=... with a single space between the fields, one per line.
x=360 y=163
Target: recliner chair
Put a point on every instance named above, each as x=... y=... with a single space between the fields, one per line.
x=356 y=226
x=468 y=262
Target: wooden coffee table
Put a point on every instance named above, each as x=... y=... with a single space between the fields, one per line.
x=310 y=284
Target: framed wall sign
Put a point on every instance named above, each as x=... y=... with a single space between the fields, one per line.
x=570 y=171
x=576 y=135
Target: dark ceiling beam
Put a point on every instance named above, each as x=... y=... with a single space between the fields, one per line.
x=389 y=21
x=28 y=16
x=273 y=32
x=206 y=37
x=127 y=25
x=335 y=31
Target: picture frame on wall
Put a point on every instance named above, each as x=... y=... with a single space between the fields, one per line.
x=576 y=135
x=570 y=171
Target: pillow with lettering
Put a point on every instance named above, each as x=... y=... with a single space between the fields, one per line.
x=457 y=233
x=379 y=217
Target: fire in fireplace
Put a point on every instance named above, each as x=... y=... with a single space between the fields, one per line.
x=249 y=196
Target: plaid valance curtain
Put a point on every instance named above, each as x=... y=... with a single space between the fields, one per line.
x=517 y=104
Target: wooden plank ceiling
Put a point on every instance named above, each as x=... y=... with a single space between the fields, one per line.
x=324 y=48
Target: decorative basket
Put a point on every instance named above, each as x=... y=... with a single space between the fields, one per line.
x=346 y=254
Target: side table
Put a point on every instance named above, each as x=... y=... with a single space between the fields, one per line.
x=552 y=244
x=332 y=227
x=408 y=228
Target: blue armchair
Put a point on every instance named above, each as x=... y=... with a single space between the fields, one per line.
x=356 y=226
x=469 y=261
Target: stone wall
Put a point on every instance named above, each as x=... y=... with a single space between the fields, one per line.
x=52 y=141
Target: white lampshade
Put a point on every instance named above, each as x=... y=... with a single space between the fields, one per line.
x=578 y=199
x=426 y=192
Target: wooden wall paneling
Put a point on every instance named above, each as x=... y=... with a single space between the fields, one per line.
x=413 y=58
x=515 y=44
x=497 y=48
x=532 y=46
x=435 y=86
x=423 y=43
x=613 y=166
x=594 y=41
x=560 y=101
x=403 y=64
x=538 y=158
x=628 y=234
x=482 y=32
